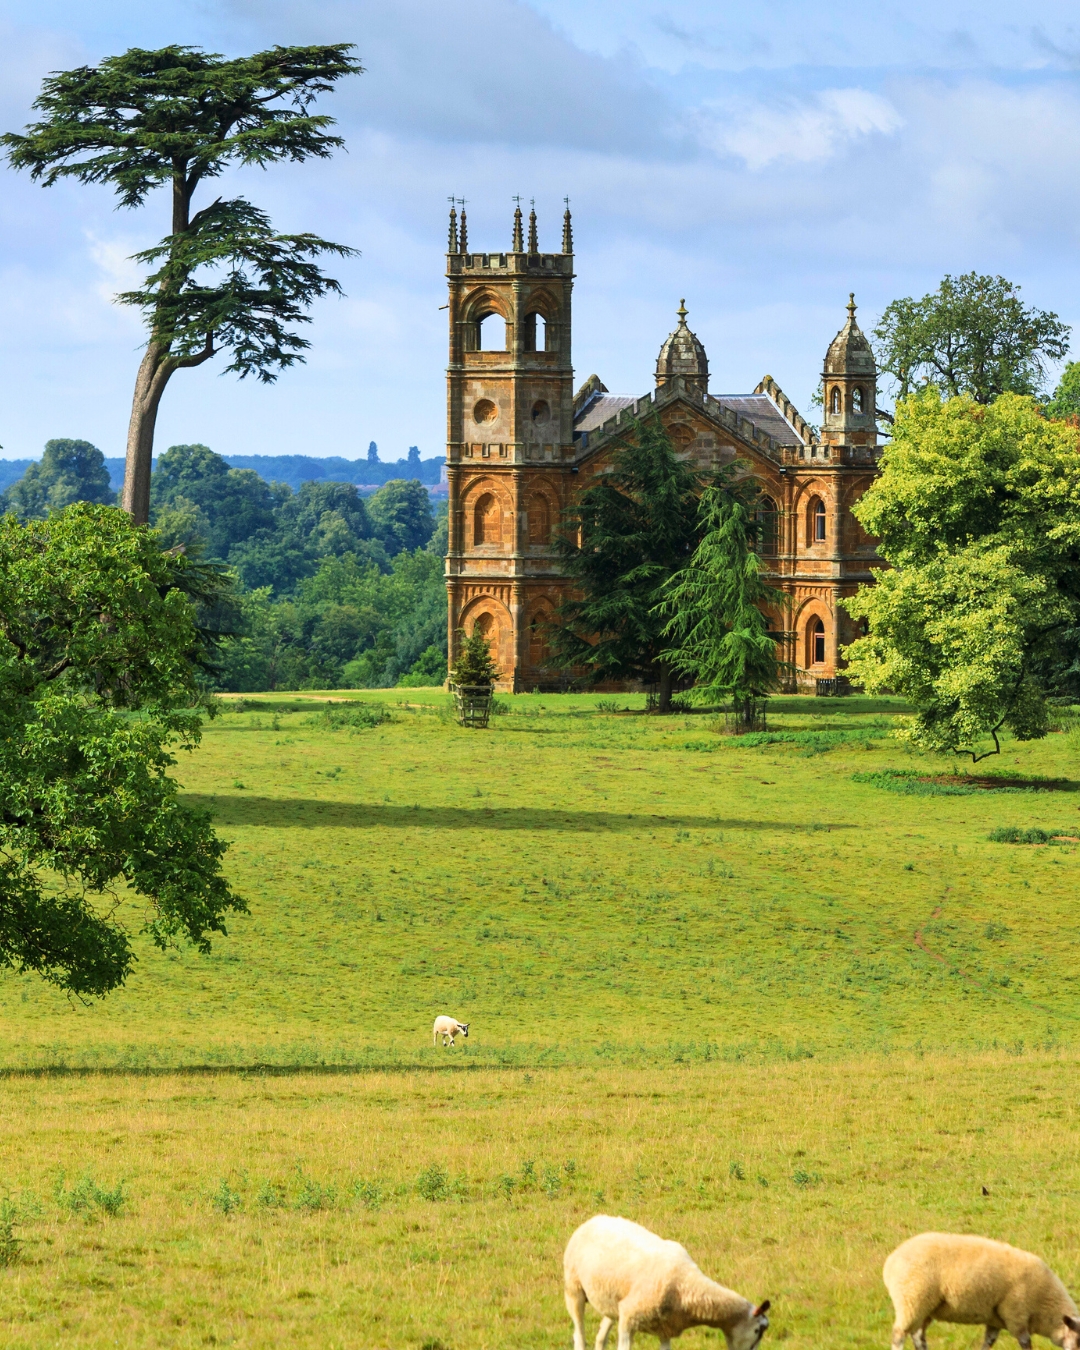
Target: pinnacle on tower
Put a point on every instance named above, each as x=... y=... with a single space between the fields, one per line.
x=567 y=234
x=516 y=245
x=464 y=245
x=682 y=312
x=534 y=247
x=851 y=304
x=452 y=244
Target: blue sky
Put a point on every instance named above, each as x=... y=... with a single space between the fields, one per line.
x=759 y=160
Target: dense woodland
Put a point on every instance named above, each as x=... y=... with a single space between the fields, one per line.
x=331 y=589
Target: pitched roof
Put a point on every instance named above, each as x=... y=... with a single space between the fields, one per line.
x=598 y=409
x=764 y=413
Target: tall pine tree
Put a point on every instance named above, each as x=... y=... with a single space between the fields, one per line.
x=635 y=527
x=717 y=632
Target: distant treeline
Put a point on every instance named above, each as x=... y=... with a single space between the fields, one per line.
x=290 y=469
x=333 y=588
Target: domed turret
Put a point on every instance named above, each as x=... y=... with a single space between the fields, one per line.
x=682 y=354
x=849 y=386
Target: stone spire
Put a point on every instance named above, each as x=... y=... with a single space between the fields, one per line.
x=849 y=385
x=452 y=244
x=534 y=247
x=682 y=354
x=517 y=246
x=464 y=245
x=567 y=233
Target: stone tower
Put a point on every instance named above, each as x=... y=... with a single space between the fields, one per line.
x=682 y=354
x=849 y=387
x=510 y=411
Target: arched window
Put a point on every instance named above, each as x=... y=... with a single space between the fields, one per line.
x=487 y=521
x=815 y=633
x=535 y=333
x=491 y=333
x=539 y=647
x=836 y=402
x=817 y=521
x=767 y=522
x=483 y=625
x=539 y=512
x=856 y=400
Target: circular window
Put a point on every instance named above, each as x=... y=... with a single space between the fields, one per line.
x=541 y=412
x=485 y=411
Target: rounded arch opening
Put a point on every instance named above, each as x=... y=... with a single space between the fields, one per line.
x=856 y=400
x=815 y=642
x=836 y=400
x=487 y=520
x=768 y=531
x=540 y=636
x=536 y=332
x=490 y=332
x=539 y=512
x=816 y=521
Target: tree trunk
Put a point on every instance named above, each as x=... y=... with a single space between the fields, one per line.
x=154 y=372
x=664 y=691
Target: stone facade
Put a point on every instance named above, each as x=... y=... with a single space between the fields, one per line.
x=520 y=444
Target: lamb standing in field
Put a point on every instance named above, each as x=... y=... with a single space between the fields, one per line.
x=644 y=1283
x=448 y=1028
x=946 y=1277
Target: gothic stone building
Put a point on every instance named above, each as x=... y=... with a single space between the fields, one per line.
x=521 y=443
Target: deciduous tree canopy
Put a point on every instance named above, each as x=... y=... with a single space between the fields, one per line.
x=977 y=509
x=973 y=336
x=69 y=471
x=99 y=682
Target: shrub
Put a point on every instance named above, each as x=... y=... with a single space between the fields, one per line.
x=1013 y=834
x=88 y=1199
x=225 y=1200
x=370 y=1194
x=433 y=1183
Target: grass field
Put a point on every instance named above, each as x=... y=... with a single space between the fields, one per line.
x=693 y=965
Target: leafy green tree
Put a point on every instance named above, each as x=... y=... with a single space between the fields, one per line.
x=351 y=624
x=402 y=515
x=223 y=279
x=475 y=666
x=225 y=506
x=323 y=519
x=1066 y=398
x=97 y=623
x=440 y=539
x=718 y=631
x=69 y=471
x=427 y=670
x=372 y=453
x=977 y=509
x=637 y=525
x=973 y=336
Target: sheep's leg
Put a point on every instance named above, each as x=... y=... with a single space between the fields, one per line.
x=575 y=1306
x=899 y=1336
x=990 y=1337
x=606 y=1324
x=626 y=1334
x=918 y=1338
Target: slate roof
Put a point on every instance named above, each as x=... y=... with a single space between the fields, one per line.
x=763 y=412
x=597 y=411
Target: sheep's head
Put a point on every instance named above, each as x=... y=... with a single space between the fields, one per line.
x=1069 y=1335
x=465 y=1030
x=750 y=1330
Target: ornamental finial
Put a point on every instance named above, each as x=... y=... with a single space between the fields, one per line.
x=682 y=312
x=534 y=247
x=567 y=233
x=851 y=305
x=452 y=243
x=517 y=246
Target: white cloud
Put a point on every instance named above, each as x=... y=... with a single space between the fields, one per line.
x=119 y=271
x=803 y=131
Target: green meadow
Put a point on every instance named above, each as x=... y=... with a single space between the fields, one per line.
x=780 y=997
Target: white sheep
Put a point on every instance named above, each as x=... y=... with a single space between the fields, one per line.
x=645 y=1283
x=448 y=1028
x=948 y=1277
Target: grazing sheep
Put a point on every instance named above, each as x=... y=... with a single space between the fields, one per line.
x=644 y=1283
x=946 y=1277
x=448 y=1028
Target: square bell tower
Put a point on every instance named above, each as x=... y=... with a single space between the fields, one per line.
x=509 y=443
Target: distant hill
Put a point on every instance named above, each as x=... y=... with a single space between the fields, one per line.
x=297 y=469
x=291 y=469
